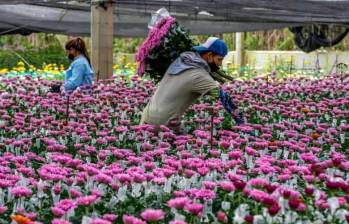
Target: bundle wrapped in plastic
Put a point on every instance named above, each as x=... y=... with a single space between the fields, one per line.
x=165 y=42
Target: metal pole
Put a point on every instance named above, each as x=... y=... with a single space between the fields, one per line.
x=267 y=79
x=239 y=48
x=67 y=112
x=212 y=118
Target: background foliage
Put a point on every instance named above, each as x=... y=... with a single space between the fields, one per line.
x=40 y=49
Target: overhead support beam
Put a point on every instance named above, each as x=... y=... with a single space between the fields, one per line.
x=239 y=49
x=102 y=38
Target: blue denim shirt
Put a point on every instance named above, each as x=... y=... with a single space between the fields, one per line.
x=78 y=74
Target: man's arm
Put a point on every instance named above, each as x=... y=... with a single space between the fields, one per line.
x=204 y=84
x=228 y=104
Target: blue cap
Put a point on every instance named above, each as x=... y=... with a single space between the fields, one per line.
x=213 y=44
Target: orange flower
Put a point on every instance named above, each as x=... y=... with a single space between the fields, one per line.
x=305 y=110
x=315 y=135
x=20 y=219
x=272 y=143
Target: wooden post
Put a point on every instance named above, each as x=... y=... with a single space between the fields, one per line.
x=239 y=48
x=102 y=37
x=97 y=77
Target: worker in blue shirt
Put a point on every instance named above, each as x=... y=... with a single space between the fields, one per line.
x=80 y=73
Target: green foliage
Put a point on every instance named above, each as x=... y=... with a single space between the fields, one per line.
x=38 y=49
x=36 y=57
x=127 y=45
x=251 y=42
x=35 y=49
x=287 y=42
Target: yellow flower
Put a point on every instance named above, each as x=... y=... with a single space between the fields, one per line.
x=3 y=71
x=21 y=69
x=116 y=66
x=20 y=63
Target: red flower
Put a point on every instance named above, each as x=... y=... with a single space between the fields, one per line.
x=286 y=194
x=249 y=219
x=274 y=209
x=294 y=203
x=271 y=188
x=268 y=202
x=239 y=184
x=332 y=185
x=309 y=191
x=222 y=217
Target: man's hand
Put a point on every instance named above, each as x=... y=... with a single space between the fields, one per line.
x=238 y=117
x=235 y=113
x=229 y=106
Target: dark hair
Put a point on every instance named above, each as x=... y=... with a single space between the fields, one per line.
x=205 y=52
x=79 y=45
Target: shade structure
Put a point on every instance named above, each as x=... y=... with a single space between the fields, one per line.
x=199 y=16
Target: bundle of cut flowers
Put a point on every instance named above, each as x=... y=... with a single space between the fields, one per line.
x=165 y=42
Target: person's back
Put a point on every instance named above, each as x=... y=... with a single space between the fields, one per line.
x=78 y=74
x=186 y=79
x=175 y=94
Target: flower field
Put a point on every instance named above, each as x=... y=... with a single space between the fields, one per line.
x=288 y=164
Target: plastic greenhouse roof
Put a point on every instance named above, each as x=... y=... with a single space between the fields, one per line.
x=200 y=16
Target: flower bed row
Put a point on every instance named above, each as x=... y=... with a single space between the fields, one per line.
x=288 y=164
